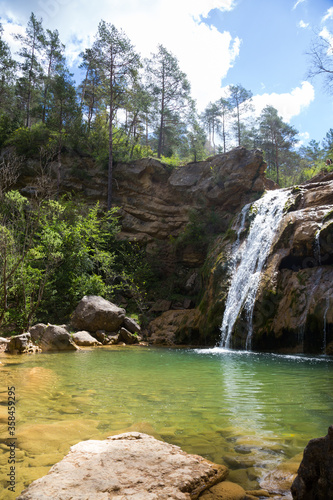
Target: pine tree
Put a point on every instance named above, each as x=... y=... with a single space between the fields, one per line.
x=240 y=101
x=7 y=75
x=171 y=91
x=277 y=138
x=54 y=55
x=117 y=63
x=29 y=83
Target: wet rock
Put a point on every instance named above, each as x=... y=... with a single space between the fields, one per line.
x=84 y=338
x=314 y=479
x=56 y=338
x=279 y=480
x=100 y=469
x=95 y=313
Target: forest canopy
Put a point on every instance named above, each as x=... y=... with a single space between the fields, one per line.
x=126 y=107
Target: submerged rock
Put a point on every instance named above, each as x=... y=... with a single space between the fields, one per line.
x=130 y=465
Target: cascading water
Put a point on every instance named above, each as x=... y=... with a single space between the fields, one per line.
x=325 y=315
x=249 y=258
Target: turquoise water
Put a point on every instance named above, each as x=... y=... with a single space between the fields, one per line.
x=249 y=411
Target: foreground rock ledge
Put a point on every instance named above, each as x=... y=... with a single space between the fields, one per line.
x=132 y=466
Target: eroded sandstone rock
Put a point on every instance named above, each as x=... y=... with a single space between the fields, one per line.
x=20 y=344
x=130 y=465
x=155 y=200
x=174 y=327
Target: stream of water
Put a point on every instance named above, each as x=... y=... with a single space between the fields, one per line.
x=248 y=260
x=250 y=411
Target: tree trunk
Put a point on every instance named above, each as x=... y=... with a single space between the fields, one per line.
x=110 y=165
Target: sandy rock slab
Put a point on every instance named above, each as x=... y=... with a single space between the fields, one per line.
x=126 y=466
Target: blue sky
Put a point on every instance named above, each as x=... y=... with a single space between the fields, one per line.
x=260 y=44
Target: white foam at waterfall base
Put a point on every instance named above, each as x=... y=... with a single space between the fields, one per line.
x=248 y=261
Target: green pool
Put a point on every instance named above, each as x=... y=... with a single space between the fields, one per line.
x=250 y=411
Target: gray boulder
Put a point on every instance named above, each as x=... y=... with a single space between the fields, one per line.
x=56 y=338
x=128 y=337
x=95 y=313
x=131 y=325
x=37 y=331
x=84 y=338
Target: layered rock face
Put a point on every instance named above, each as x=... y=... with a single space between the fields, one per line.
x=294 y=307
x=155 y=200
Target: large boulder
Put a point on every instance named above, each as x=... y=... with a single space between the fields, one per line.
x=56 y=338
x=132 y=466
x=84 y=338
x=95 y=313
x=314 y=479
x=37 y=331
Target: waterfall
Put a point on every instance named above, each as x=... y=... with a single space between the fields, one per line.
x=248 y=261
x=325 y=315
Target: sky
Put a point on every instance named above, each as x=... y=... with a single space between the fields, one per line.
x=259 y=44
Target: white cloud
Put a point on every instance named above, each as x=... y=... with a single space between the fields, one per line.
x=289 y=104
x=298 y=3
x=204 y=53
x=328 y=36
x=328 y=15
x=303 y=139
x=302 y=24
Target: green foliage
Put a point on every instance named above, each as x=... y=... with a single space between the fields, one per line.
x=201 y=227
x=55 y=252
x=28 y=141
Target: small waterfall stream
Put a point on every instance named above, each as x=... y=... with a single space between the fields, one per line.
x=324 y=329
x=249 y=258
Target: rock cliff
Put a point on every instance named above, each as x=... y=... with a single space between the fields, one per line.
x=155 y=200
x=186 y=219
x=294 y=304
